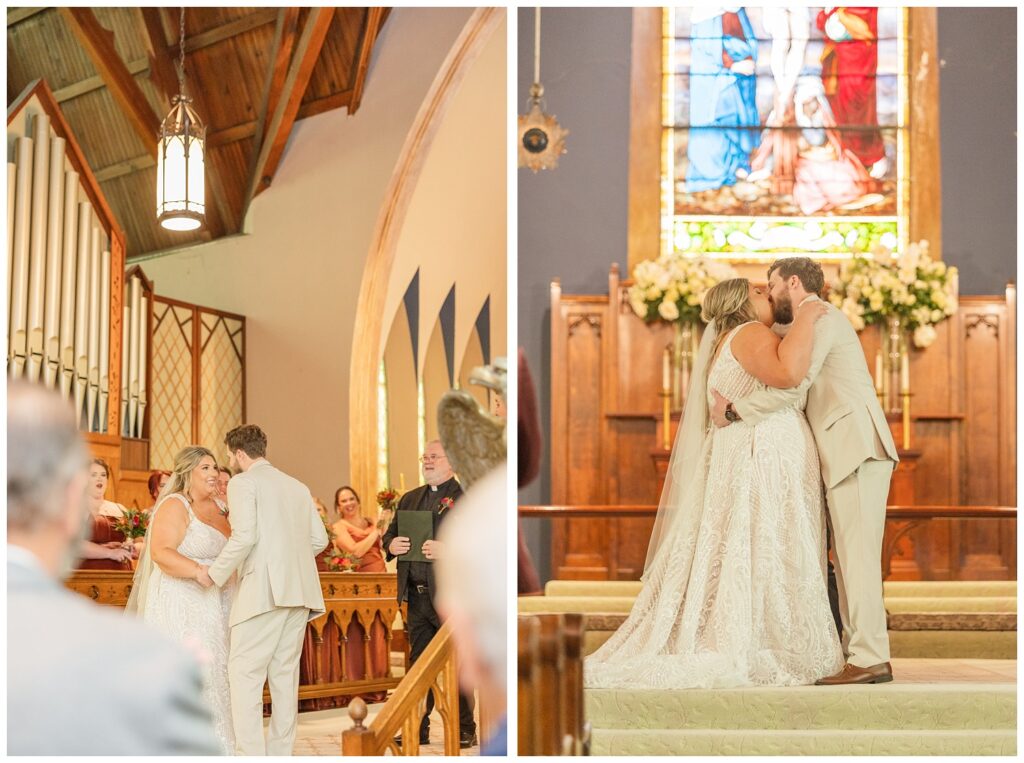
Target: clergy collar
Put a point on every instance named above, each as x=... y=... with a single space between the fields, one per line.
x=435 y=488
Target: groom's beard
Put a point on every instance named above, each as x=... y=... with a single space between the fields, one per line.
x=782 y=310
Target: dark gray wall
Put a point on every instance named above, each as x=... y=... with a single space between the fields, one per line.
x=572 y=222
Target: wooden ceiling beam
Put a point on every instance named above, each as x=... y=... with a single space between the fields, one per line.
x=162 y=72
x=285 y=35
x=99 y=45
x=307 y=51
x=17 y=15
x=82 y=87
x=374 y=19
x=256 y=19
x=127 y=167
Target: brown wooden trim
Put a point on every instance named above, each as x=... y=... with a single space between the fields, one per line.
x=341 y=99
x=924 y=175
x=285 y=35
x=99 y=45
x=374 y=19
x=644 y=231
x=161 y=71
x=307 y=51
x=127 y=167
x=256 y=19
x=17 y=15
x=892 y=512
x=90 y=84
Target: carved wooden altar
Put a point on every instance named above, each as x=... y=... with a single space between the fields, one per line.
x=605 y=379
x=365 y=597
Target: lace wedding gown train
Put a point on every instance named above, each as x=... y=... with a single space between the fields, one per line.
x=198 y=617
x=743 y=600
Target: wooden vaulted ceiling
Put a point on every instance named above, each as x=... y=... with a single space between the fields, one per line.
x=252 y=73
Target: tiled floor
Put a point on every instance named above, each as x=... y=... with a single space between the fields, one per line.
x=320 y=733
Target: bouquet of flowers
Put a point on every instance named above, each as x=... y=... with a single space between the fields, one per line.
x=132 y=524
x=672 y=287
x=914 y=287
x=387 y=499
x=341 y=561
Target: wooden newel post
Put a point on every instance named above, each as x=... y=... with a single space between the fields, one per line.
x=356 y=740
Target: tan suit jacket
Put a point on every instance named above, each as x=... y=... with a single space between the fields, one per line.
x=276 y=534
x=842 y=408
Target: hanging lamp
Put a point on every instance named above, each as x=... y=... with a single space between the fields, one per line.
x=541 y=138
x=180 y=171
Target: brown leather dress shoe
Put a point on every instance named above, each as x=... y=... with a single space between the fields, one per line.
x=851 y=674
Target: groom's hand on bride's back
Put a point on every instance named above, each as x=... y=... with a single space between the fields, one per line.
x=718 y=410
x=399 y=546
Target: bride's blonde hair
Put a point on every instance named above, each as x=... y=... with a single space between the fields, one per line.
x=728 y=304
x=186 y=459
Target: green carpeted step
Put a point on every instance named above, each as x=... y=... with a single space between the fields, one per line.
x=824 y=742
x=610 y=604
x=950 y=588
x=893 y=706
x=897 y=588
x=592 y=588
x=902 y=604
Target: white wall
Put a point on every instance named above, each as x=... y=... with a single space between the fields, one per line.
x=296 y=277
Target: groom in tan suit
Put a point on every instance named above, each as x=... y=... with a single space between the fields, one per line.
x=276 y=534
x=857 y=456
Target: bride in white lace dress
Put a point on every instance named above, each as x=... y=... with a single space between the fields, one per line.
x=734 y=588
x=189 y=527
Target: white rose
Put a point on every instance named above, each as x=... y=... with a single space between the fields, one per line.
x=671 y=294
x=668 y=310
x=924 y=336
x=653 y=293
x=693 y=299
x=936 y=316
x=877 y=301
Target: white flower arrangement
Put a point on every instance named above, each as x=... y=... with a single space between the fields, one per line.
x=673 y=286
x=914 y=286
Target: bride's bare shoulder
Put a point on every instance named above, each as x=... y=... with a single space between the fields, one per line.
x=753 y=337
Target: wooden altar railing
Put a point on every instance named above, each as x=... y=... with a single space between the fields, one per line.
x=433 y=671
x=550 y=686
x=367 y=598
x=891 y=512
x=904 y=519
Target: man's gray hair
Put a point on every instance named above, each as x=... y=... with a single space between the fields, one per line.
x=472 y=572
x=44 y=453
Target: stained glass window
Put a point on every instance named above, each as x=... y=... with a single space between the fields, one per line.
x=783 y=131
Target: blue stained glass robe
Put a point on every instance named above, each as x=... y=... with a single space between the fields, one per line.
x=720 y=99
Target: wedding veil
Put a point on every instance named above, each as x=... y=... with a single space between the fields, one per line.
x=683 y=494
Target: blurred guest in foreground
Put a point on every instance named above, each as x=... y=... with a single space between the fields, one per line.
x=104 y=548
x=68 y=692
x=471 y=595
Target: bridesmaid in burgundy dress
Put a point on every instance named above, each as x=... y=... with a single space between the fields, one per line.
x=104 y=550
x=357 y=535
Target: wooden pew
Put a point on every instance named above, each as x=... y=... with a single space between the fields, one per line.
x=551 y=717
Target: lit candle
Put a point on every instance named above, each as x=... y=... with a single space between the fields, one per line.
x=401 y=481
x=666 y=362
x=879 y=373
x=904 y=372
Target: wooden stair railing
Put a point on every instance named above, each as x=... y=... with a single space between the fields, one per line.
x=434 y=670
x=551 y=717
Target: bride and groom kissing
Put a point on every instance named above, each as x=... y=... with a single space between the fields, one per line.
x=238 y=594
x=735 y=586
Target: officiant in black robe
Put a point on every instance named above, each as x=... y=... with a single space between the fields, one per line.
x=416 y=579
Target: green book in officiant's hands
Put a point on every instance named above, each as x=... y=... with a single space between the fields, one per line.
x=418 y=527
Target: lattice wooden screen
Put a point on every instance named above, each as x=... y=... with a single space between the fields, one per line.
x=198 y=382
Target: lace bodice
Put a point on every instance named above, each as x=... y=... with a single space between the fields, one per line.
x=732 y=381
x=202 y=542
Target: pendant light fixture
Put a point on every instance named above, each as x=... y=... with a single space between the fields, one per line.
x=180 y=173
x=541 y=138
